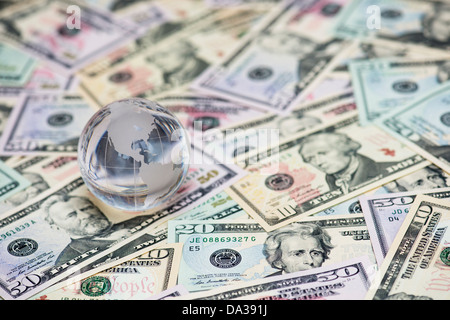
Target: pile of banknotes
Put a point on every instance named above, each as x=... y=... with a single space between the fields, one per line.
x=327 y=124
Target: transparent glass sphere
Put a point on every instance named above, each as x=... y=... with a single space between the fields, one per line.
x=133 y=154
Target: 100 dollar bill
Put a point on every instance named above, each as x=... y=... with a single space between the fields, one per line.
x=385 y=214
x=417 y=264
x=303 y=175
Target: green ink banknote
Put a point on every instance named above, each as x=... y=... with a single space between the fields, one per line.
x=424 y=125
x=11 y=182
x=16 y=66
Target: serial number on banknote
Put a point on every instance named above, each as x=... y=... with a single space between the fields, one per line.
x=222 y=239
x=16 y=230
x=395 y=214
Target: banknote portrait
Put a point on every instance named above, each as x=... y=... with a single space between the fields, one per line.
x=38 y=185
x=297 y=247
x=86 y=225
x=441 y=152
x=405 y=296
x=297 y=122
x=435 y=27
x=179 y=63
x=308 y=53
x=443 y=73
x=373 y=51
x=431 y=177
x=337 y=156
x=117 y=5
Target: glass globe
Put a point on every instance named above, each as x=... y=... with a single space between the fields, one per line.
x=133 y=154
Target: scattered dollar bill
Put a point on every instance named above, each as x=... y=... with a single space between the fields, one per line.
x=428 y=177
x=43 y=79
x=43 y=172
x=347 y=280
x=309 y=116
x=218 y=253
x=219 y=206
x=171 y=65
x=318 y=169
x=200 y=114
x=424 y=125
x=233 y=3
x=205 y=179
x=367 y=49
x=136 y=279
x=7 y=104
x=43 y=124
x=333 y=84
x=16 y=66
x=141 y=244
x=183 y=15
x=146 y=241
x=267 y=131
x=381 y=85
x=385 y=214
x=66 y=39
x=404 y=21
x=278 y=62
x=144 y=15
x=417 y=264
x=54 y=235
x=11 y=182
x=66 y=228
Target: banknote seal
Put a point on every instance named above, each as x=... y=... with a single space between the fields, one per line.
x=225 y=258
x=22 y=247
x=60 y=119
x=445 y=119
x=405 y=86
x=121 y=76
x=260 y=73
x=445 y=256
x=279 y=181
x=96 y=286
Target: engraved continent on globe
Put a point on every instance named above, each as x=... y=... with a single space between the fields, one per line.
x=133 y=154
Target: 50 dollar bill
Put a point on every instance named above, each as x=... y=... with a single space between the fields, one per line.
x=348 y=280
x=417 y=264
x=385 y=214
